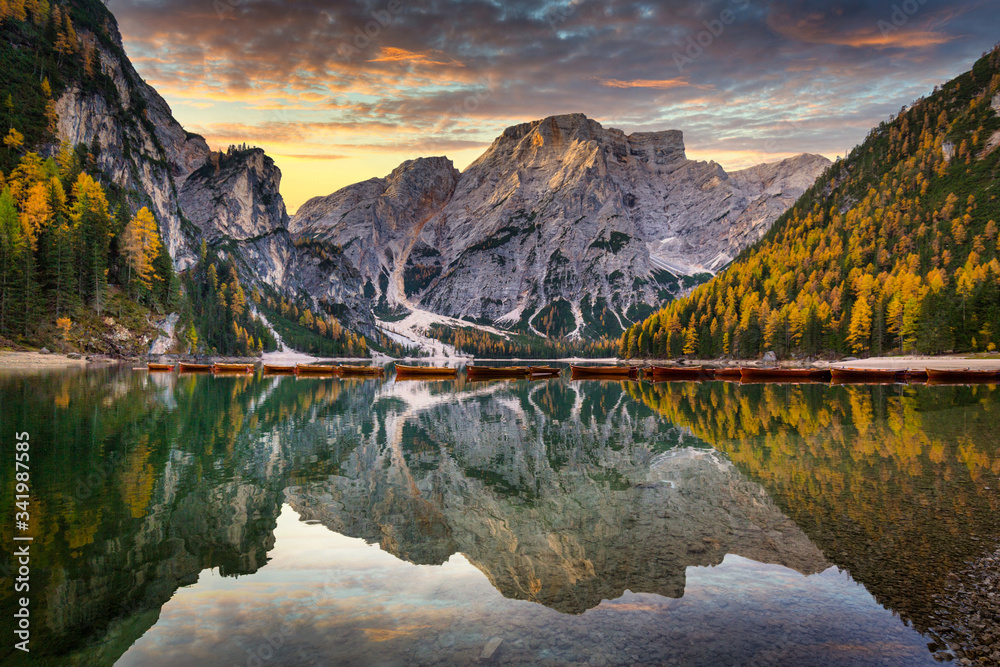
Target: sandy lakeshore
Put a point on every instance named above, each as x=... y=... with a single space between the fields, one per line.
x=35 y=361
x=920 y=362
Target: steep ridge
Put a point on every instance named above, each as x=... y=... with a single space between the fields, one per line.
x=894 y=247
x=229 y=200
x=376 y=222
x=559 y=215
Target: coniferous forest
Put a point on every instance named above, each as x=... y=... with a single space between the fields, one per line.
x=67 y=254
x=894 y=249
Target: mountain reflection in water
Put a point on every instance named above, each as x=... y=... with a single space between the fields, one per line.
x=193 y=518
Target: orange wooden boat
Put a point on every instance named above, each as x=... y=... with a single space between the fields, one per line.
x=315 y=369
x=867 y=375
x=962 y=376
x=159 y=368
x=195 y=368
x=662 y=373
x=728 y=373
x=362 y=371
x=752 y=374
x=496 y=372
x=232 y=368
x=604 y=372
x=416 y=372
x=271 y=369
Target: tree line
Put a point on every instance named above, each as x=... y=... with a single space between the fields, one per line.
x=224 y=323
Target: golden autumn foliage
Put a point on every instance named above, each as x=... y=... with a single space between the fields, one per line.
x=894 y=247
x=140 y=244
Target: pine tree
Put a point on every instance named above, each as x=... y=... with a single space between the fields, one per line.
x=90 y=214
x=10 y=248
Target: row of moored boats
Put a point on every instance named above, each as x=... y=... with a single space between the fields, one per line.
x=833 y=374
x=654 y=373
x=269 y=369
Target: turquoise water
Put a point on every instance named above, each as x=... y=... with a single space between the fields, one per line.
x=284 y=521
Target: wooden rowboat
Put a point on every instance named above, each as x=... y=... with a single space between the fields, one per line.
x=315 y=369
x=867 y=375
x=661 y=373
x=232 y=368
x=365 y=371
x=270 y=369
x=604 y=372
x=195 y=368
x=425 y=372
x=962 y=376
x=159 y=368
x=752 y=374
x=490 y=372
x=728 y=373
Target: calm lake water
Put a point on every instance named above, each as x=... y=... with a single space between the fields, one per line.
x=201 y=520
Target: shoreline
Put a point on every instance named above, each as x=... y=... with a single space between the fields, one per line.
x=34 y=360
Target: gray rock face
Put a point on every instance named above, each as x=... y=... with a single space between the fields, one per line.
x=321 y=273
x=229 y=200
x=557 y=209
x=251 y=205
x=144 y=149
x=376 y=222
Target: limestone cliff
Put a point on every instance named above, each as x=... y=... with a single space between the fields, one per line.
x=557 y=210
x=229 y=200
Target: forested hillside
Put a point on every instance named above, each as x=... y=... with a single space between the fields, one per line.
x=69 y=259
x=83 y=265
x=893 y=248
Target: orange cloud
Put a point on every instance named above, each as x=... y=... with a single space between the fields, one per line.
x=890 y=32
x=391 y=54
x=662 y=84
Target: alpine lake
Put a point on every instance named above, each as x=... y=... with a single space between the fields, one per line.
x=201 y=520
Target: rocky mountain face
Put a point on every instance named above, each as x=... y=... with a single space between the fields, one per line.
x=558 y=216
x=229 y=200
x=560 y=221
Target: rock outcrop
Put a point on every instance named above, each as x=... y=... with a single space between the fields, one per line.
x=377 y=221
x=560 y=209
x=560 y=218
x=251 y=205
x=229 y=200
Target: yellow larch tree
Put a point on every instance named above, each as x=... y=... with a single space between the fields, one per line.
x=140 y=246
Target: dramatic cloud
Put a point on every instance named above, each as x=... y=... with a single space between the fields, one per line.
x=373 y=82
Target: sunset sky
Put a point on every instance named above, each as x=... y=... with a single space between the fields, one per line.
x=747 y=81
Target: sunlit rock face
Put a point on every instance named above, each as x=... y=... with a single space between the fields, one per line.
x=376 y=222
x=564 y=507
x=556 y=209
x=230 y=200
